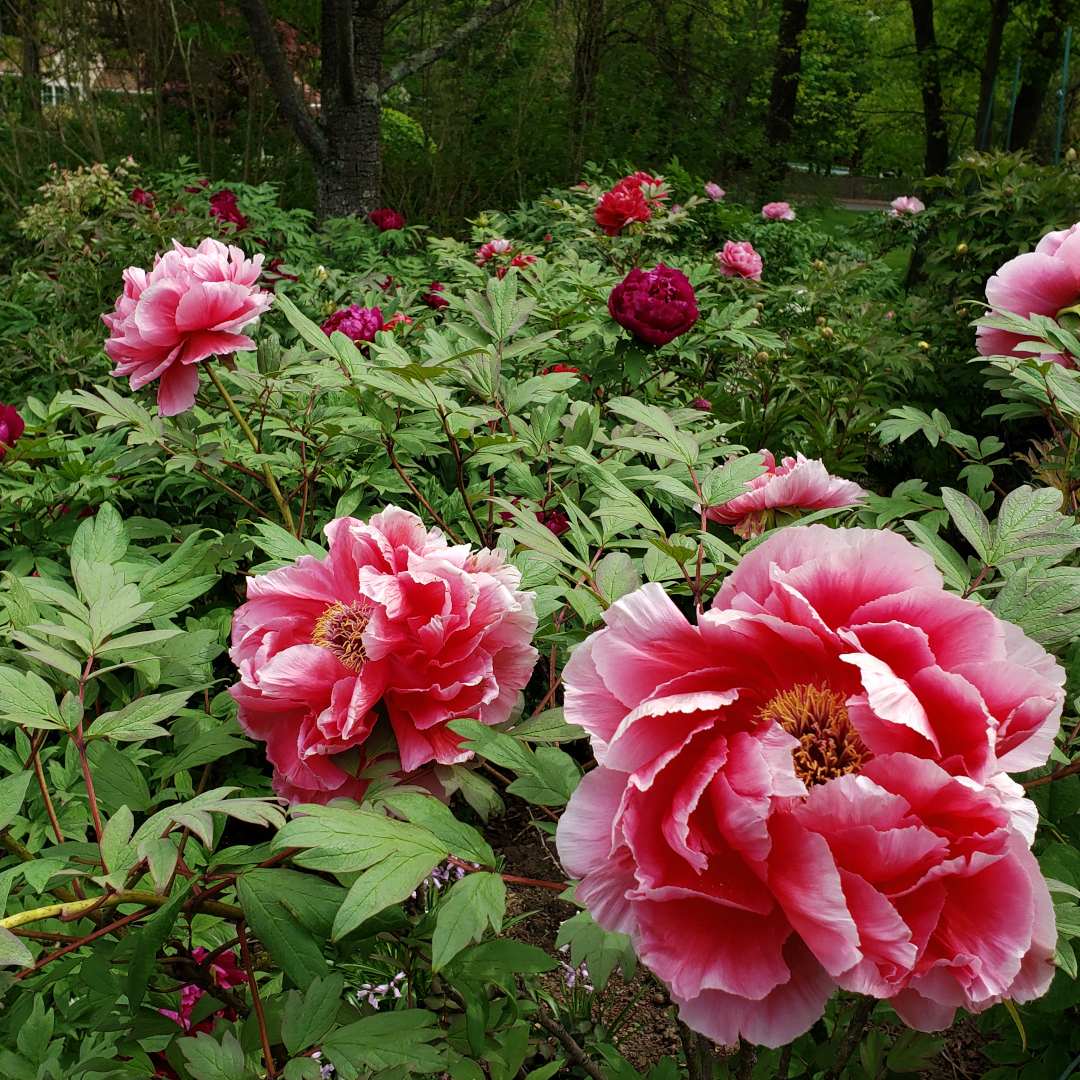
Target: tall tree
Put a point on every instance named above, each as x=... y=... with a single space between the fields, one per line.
x=999 y=15
x=1042 y=60
x=344 y=143
x=785 y=85
x=937 y=136
x=588 y=52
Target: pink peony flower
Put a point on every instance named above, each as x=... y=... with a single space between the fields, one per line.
x=355 y=322
x=399 y=319
x=387 y=220
x=905 y=205
x=11 y=428
x=393 y=623
x=492 y=248
x=621 y=207
x=807 y=789
x=190 y=306
x=778 y=211
x=715 y=192
x=701 y=403
x=224 y=971
x=1045 y=281
x=433 y=299
x=739 y=259
x=656 y=305
x=223 y=207
x=797 y=484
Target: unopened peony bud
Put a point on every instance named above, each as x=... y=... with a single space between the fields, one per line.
x=827 y=332
x=1070 y=155
x=961 y=249
x=818 y=264
x=924 y=346
x=761 y=357
x=1008 y=192
x=760 y=306
x=820 y=320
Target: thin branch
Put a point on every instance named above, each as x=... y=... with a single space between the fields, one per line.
x=852 y=1037
x=577 y=1055
x=1058 y=774
x=281 y=78
x=426 y=57
x=268 y=1058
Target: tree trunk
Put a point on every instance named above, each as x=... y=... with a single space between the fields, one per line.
x=1042 y=63
x=30 y=53
x=588 y=52
x=349 y=175
x=937 y=136
x=785 y=87
x=999 y=15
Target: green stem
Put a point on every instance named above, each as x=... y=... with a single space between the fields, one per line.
x=271 y=483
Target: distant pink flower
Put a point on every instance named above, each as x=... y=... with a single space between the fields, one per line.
x=223 y=207
x=492 y=248
x=387 y=220
x=143 y=198
x=190 y=306
x=796 y=484
x=399 y=319
x=355 y=322
x=11 y=428
x=393 y=623
x=701 y=403
x=1045 y=281
x=778 y=211
x=906 y=204
x=197 y=187
x=433 y=299
x=224 y=971
x=889 y=314
x=739 y=259
x=808 y=789
x=715 y=192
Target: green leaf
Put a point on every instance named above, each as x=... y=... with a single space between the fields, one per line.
x=280 y=544
x=728 y=481
x=12 y=793
x=388 y=1040
x=549 y=726
x=145 y=942
x=27 y=699
x=102 y=538
x=207 y=1059
x=953 y=568
x=475 y=902
x=140 y=719
x=118 y=781
x=387 y=882
x=13 y=953
x=601 y=951
x=615 y=576
x=970 y=520
x=458 y=838
x=292 y=945
x=305 y=1020
x=912 y=1051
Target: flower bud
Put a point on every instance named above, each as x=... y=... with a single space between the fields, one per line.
x=827 y=332
x=821 y=320
x=761 y=357
x=924 y=346
x=961 y=249
x=760 y=306
x=1070 y=155
x=1008 y=192
x=818 y=264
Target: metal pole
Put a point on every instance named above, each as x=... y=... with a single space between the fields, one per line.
x=1012 y=106
x=1062 y=92
x=986 y=119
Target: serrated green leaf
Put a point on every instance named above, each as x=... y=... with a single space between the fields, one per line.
x=475 y=902
x=388 y=882
x=305 y=1020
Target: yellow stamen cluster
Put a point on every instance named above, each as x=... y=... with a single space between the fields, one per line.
x=340 y=628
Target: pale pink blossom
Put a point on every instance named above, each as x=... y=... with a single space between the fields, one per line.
x=778 y=211
x=807 y=789
x=739 y=259
x=1045 y=281
x=189 y=307
x=905 y=205
x=393 y=623
x=714 y=191
x=797 y=484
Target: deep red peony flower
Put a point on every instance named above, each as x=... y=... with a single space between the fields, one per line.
x=223 y=207
x=488 y=251
x=433 y=299
x=1045 y=281
x=393 y=623
x=192 y=305
x=807 y=789
x=652 y=187
x=620 y=207
x=656 y=305
x=387 y=220
x=11 y=428
x=794 y=485
x=701 y=403
x=143 y=197
x=739 y=259
x=355 y=322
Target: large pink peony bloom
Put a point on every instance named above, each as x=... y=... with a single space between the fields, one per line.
x=739 y=259
x=807 y=789
x=1041 y=282
x=796 y=484
x=778 y=211
x=190 y=306
x=393 y=623
x=905 y=205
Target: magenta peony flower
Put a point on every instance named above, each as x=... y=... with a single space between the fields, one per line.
x=356 y=322
x=1045 y=281
x=807 y=789
x=223 y=207
x=621 y=207
x=190 y=306
x=656 y=305
x=797 y=484
x=393 y=623
x=387 y=220
x=739 y=259
x=906 y=205
x=715 y=192
x=11 y=428
x=701 y=403
x=143 y=198
x=433 y=299
x=778 y=211
x=224 y=971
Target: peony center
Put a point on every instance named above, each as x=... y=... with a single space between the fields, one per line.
x=340 y=628
x=829 y=746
